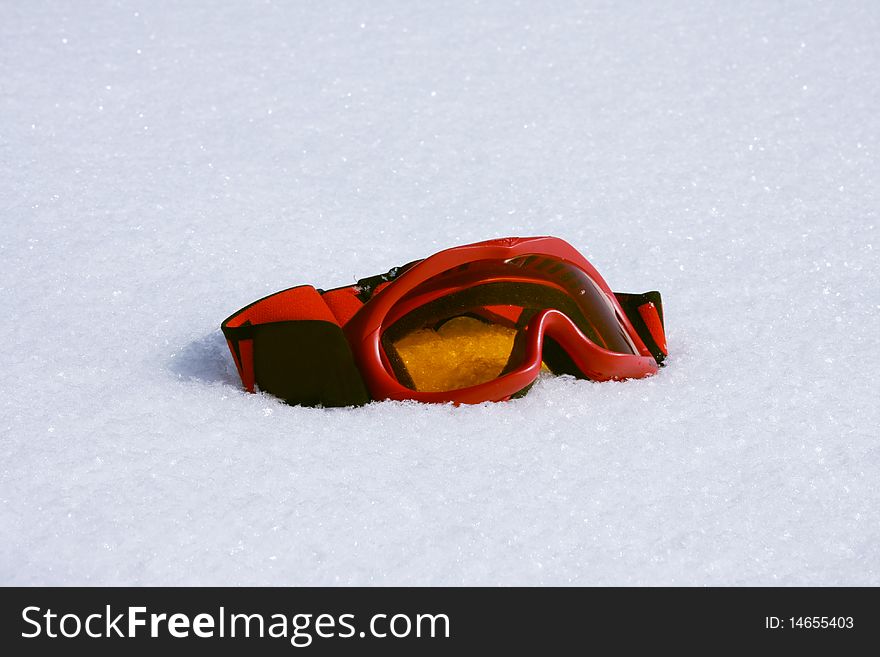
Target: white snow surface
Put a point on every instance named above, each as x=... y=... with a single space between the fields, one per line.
x=164 y=164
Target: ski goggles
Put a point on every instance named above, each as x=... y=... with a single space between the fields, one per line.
x=470 y=324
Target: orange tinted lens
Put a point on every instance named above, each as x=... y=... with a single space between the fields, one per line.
x=462 y=352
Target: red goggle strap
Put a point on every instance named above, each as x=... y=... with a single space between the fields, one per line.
x=299 y=303
x=645 y=313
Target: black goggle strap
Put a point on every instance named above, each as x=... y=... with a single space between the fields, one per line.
x=645 y=313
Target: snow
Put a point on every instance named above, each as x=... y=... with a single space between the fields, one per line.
x=163 y=164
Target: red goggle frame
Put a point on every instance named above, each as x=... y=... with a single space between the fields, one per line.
x=313 y=347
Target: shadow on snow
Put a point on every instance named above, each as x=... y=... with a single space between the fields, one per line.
x=206 y=359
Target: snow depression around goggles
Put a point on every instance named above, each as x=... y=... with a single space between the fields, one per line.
x=469 y=324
